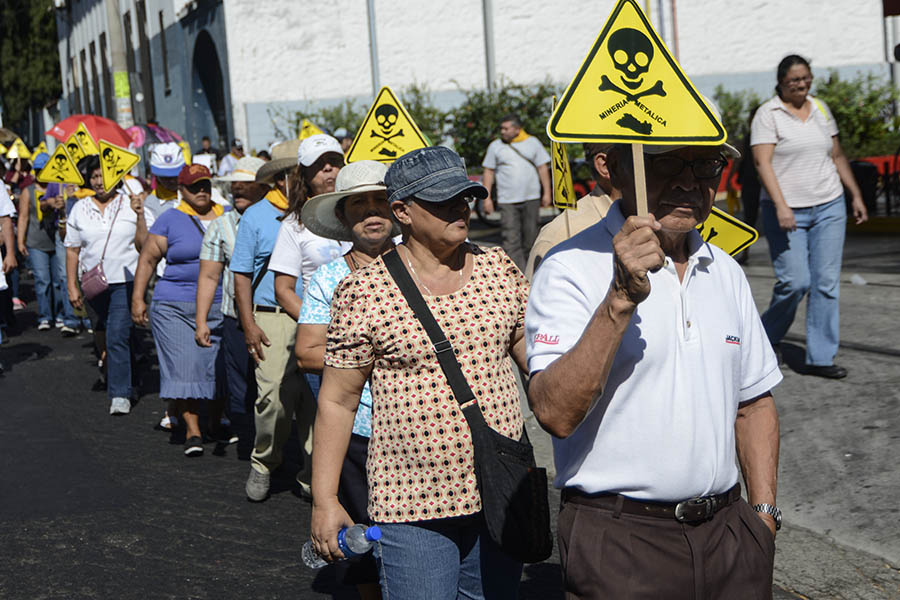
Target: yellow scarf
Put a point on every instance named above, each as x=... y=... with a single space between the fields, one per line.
x=164 y=193
x=187 y=209
x=277 y=199
x=83 y=193
x=520 y=137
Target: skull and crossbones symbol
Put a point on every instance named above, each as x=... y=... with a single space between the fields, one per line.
x=631 y=52
x=59 y=167
x=386 y=116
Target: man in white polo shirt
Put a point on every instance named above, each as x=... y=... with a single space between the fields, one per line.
x=651 y=369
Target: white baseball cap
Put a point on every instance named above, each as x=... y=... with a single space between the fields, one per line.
x=315 y=146
x=166 y=159
x=244 y=170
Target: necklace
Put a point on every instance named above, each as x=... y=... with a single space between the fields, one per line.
x=353 y=264
x=419 y=281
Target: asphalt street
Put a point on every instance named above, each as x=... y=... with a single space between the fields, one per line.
x=93 y=506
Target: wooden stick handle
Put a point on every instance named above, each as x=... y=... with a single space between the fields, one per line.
x=640 y=180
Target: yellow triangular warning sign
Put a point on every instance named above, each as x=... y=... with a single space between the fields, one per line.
x=74 y=149
x=42 y=147
x=387 y=132
x=307 y=129
x=563 y=190
x=726 y=232
x=18 y=150
x=85 y=140
x=60 y=168
x=115 y=162
x=185 y=151
x=630 y=90
x=3 y=149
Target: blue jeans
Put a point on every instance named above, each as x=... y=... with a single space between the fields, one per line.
x=46 y=283
x=444 y=559
x=113 y=308
x=68 y=313
x=807 y=260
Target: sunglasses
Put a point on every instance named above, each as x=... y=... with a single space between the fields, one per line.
x=200 y=186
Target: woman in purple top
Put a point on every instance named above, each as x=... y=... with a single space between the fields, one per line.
x=187 y=372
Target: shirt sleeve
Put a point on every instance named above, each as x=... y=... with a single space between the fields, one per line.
x=244 y=246
x=73 y=230
x=161 y=226
x=540 y=155
x=762 y=128
x=759 y=365
x=558 y=311
x=287 y=255
x=349 y=342
x=316 y=307
x=7 y=208
x=211 y=247
x=149 y=217
x=490 y=158
x=832 y=127
x=519 y=284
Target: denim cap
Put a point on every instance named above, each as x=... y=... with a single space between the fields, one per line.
x=434 y=174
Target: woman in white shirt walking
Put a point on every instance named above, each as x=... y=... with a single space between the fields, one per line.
x=107 y=215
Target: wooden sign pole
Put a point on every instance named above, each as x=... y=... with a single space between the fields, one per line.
x=640 y=180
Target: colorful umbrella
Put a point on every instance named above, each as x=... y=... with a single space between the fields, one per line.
x=100 y=128
x=150 y=133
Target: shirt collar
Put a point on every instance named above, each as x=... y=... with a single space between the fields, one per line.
x=699 y=251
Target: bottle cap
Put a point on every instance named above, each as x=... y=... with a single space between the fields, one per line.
x=373 y=533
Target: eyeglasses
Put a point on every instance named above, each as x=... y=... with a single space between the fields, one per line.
x=670 y=166
x=796 y=80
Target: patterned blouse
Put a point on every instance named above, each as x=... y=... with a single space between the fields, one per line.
x=420 y=464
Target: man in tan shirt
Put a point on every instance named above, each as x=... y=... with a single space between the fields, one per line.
x=591 y=208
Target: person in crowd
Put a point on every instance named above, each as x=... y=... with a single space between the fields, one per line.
x=187 y=374
x=215 y=254
x=358 y=212
x=228 y=162
x=519 y=165
x=166 y=162
x=264 y=154
x=345 y=139
x=591 y=208
x=650 y=368
x=802 y=166
x=426 y=500
x=19 y=177
x=7 y=239
x=206 y=147
x=268 y=330
x=36 y=234
x=748 y=180
x=101 y=229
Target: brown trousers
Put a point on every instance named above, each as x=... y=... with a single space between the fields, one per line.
x=623 y=556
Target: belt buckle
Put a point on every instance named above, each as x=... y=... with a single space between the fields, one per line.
x=694 y=509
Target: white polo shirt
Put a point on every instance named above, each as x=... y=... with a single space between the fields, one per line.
x=802 y=160
x=663 y=428
x=87 y=228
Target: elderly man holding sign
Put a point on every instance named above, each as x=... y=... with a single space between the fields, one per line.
x=650 y=365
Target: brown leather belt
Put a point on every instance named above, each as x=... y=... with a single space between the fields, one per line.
x=688 y=511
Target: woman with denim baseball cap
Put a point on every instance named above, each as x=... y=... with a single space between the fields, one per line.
x=422 y=486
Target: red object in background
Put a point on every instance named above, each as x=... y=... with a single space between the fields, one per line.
x=100 y=128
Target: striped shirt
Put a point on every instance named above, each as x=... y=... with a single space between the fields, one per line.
x=802 y=161
x=218 y=245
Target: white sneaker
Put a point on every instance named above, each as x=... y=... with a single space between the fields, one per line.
x=43 y=325
x=120 y=406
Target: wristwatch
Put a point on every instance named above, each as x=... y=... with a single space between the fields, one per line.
x=770 y=510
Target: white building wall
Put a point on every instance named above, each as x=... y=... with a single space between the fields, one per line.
x=286 y=54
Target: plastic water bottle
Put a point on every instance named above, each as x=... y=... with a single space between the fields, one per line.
x=353 y=541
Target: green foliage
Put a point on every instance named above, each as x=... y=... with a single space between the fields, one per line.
x=430 y=119
x=736 y=108
x=29 y=58
x=864 y=110
x=476 y=122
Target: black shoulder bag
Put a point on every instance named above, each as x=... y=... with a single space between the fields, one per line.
x=513 y=488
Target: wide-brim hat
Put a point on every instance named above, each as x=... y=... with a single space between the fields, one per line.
x=318 y=214
x=284 y=156
x=244 y=170
x=433 y=174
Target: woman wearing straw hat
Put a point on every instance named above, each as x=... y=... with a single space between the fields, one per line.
x=357 y=211
x=421 y=473
x=188 y=374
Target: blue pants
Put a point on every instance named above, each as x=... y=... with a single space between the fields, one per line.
x=239 y=369
x=68 y=313
x=113 y=308
x=807 y=260
x=444 y=559
x=47 y=285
